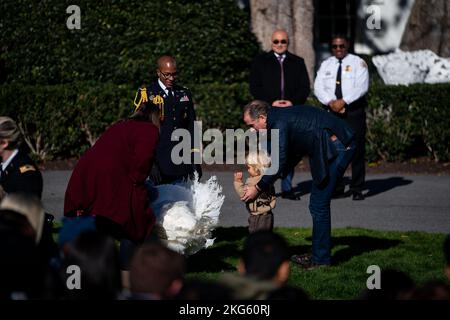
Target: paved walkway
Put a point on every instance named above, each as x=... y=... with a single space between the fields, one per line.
x=393 y=202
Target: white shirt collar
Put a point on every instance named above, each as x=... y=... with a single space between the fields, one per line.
x=7 y=162
x=163 y=86
x=337 y=60
x=283 y=56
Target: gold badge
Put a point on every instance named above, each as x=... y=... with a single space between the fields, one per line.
x=348 y=68
x=27 y=167
x=158 y=100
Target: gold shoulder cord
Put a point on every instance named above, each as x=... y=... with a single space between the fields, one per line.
x=159 y=101
x=144 y=98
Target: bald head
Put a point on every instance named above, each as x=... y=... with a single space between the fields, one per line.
x=280 y=41
x=167 y=70
x=166 y=61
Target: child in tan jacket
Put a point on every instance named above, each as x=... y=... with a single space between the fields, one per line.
x=260 y=209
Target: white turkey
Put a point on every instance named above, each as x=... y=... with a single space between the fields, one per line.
x=186 y=214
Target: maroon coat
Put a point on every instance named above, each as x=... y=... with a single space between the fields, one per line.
x=108 y=180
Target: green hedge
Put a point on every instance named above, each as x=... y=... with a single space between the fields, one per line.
x=409 y=121
x=120 y=40
x=63 y=120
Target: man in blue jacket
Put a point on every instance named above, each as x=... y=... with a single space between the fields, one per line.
x=328 y=142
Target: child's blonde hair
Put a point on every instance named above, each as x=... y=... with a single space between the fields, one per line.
x=259 y=160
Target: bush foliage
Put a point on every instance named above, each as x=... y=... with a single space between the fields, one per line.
x=120 y=40
x=63 y=120
x=64 y=87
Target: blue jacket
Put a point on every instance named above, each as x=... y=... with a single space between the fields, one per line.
x=305 y=130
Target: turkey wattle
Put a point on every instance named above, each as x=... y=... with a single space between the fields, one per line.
x=186 y=214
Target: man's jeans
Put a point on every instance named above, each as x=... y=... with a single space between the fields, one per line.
x=319 y=205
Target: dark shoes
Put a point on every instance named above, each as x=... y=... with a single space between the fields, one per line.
x=339 y=194
x=301 y=258
x=305 y=262
x=290 y=195
x=357 y=196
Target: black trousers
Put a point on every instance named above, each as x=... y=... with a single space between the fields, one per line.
x=357 y=121
x=355 y=116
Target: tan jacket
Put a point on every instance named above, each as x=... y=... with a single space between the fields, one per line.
x=265 y=201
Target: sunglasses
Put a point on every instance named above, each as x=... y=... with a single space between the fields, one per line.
x=168 y=74
x=340 y=46
x=284 y=41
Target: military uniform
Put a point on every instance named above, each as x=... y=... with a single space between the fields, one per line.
x=354 y=85
x=22 y=176
x=175 y=112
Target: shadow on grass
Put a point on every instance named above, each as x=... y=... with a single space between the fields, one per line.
x=357 y=245
x=226 y=245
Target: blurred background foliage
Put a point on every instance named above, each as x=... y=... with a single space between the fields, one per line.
x=64 y=87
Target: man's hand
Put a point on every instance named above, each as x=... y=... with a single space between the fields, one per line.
x=238 y=176
x=337 y=105
x=282 y=103
x=250 y=193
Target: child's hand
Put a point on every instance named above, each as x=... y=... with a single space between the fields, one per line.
x=238 y=176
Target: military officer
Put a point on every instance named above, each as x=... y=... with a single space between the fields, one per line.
x=18 y=173
x=176 y=111
x=341 y=86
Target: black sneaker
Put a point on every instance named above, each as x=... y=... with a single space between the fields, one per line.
x=357 y=196
x=290 y=195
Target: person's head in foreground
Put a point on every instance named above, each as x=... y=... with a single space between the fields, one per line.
x=156 y=272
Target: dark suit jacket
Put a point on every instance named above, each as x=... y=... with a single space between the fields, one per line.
x=109 y=178
x=178 y=113
x=22 y=176
x=265 y=78
x=305 y=130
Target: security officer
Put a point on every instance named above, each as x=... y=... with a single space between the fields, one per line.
x=176 y=111
x=341 y=86
x=18 y=172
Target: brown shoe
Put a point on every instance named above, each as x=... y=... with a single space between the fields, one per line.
x=311 y=266
x=301 y=259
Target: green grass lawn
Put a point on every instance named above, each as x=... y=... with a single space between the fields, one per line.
x=419 y=254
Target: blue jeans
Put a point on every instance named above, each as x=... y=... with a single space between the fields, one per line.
x=319 y=205
x=286 y=183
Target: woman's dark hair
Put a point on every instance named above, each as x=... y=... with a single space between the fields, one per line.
x=147 y=112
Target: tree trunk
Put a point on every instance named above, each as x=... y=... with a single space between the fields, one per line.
x=295 y=16
x=428 y=27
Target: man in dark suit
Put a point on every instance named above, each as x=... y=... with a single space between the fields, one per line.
x=176 y=111
x=280 y=78
x=329 y=143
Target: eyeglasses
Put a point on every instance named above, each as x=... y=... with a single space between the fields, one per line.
x=284 y=41
x=340 y=46
x=168 y=74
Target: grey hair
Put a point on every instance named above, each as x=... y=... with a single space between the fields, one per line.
x=256 y=108
x=10 y=132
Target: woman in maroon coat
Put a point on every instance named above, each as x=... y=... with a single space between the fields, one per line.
x=109 y=179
